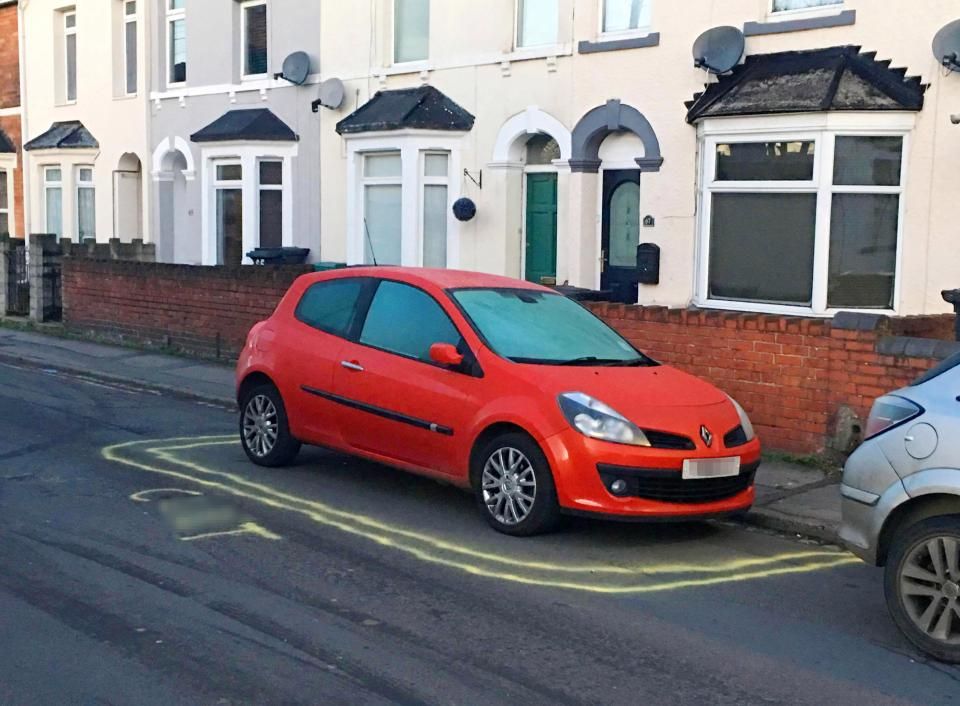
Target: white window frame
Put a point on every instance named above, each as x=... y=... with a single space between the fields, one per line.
x=244 y=6
x=6 y=175
x=642 y=31
x=366 y=181
x=129 y=19
x=803 y=12
x=411 y=144
x=173 y=15
x=81 y=185
x=416 y=64
x=518 y=28
x=248 y=155
x=824 y=128
x=281 y=187
x=426 y=181
x=47 y=185
x=70 y=32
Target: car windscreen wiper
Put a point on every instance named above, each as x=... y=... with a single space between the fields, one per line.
x=607 y=362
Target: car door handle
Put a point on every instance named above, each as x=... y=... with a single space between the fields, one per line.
x=355 y=367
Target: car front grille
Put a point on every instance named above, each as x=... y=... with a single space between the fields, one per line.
x=663 y=440
x=670 y=487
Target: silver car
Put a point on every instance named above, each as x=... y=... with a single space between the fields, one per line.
x=901 y=507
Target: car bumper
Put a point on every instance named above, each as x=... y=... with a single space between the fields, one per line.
x=657 y=490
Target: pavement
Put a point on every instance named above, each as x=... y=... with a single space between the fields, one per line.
x=791 y=497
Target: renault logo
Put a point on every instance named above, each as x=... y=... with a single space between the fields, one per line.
x=706 y=435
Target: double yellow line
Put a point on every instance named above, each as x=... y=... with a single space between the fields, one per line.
x=166 y=457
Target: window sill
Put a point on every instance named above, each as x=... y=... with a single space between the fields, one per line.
x=782 y=309
x=612 y=43
x=534 y=53
x=407 y=67
x=776 y=25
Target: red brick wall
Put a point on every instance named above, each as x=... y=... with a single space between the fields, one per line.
x=201 y=310
x=10 y=98
x=792 y=374
x=938 y=327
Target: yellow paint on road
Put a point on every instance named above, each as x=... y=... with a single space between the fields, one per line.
x=246 y=528
x=165 y=458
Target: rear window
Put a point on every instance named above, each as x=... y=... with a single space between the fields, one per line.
x=947 y=365
x=329 y=306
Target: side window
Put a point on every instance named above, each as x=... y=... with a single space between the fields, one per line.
x=329 y=306
x=405 y=320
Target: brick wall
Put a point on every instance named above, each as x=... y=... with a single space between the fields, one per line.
x=792 y=374
x=199 y=310
x=10 y=98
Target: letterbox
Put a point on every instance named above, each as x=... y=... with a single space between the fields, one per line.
x=648 y=263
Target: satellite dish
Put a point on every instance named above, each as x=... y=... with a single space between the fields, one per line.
x=719 y=49
x=331 y=93
x=946 y=46
x=296 y=68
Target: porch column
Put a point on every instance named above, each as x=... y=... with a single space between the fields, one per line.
x=565 y=230
x=504 y=221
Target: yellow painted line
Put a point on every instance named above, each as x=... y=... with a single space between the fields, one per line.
x=246 y=528
x=144 y=495
x=388 y=536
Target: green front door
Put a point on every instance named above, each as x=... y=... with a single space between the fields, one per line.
x=541 y=228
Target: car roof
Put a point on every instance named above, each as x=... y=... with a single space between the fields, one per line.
x=445 y=279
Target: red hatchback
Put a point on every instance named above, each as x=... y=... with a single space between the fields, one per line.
x=496 y=385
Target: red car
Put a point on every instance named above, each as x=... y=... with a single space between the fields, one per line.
x=500 y=386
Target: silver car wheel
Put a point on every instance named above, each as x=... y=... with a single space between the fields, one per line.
x=509 y=486
x=930 y=588
x=260 y=426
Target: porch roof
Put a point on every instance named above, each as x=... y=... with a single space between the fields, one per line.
x=422 y=108
x=66 y=135
x=246 y=125
x=833 y=79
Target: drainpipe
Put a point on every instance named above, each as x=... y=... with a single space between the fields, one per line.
x=25 y=172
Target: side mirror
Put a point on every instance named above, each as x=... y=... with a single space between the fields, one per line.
x=445 y=354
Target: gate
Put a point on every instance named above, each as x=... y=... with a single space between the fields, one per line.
x=53 y=293
x=18 y=280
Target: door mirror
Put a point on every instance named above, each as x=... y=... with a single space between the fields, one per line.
x=445 y=354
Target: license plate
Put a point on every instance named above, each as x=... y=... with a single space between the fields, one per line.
x=711 y=468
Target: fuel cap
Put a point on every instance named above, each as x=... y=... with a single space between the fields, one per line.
x=921 y=441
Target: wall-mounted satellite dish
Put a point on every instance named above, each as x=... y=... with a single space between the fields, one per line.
x=331 y=93
x=296 y=68
x=719 y=49
x=946 y=46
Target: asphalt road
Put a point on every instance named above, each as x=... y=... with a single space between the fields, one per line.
x=143 y=560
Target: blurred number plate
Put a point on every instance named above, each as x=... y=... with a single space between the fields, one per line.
x=711 y=468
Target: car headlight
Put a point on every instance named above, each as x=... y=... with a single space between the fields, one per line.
x=889 y=412
x=745 y=422
x=593 y=418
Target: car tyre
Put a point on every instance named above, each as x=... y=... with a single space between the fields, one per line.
x=264 y=431
x=921 y=584
x=514 y=486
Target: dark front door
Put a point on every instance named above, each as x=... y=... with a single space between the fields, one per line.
x=621 y=233
x=541 y=255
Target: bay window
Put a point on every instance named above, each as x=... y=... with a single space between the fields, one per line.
x=411 y=30
x=538 y=23
x=271 y=203
x=435 y=210
x=53 y=200
x=625 y=16
x=382 y=208
x=86 y=205
x=807 y=220
x=4 y=202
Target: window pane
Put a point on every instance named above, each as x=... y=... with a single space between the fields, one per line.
x=86 y=174
x=271 y=219
x=230 y=227
x=868 y=161
x=382 y=165
x=4 y=223
x=542 y=149
x=52 y=175
x=624 y=15
x=765 y=161
x=255 y=47
x=178 y=51
x=86 y=213
x=783 y=5
x=229 y=172
x=426 y=322
x=4 y=194
x=178 y=4
x=271 y=173
x=863 y=250
x=435 y=165
x=411 y=30
x=434 y=226
x=70 y=21
x=130 y=8
x=53 y=205
x=329 y=306
x=625 y=225
x=761 y=247
x=539 y=22
x=382 y=211
x=71 y=67
x=131 y=55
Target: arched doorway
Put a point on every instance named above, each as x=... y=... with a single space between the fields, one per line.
x=128 y=198
x=173 y=168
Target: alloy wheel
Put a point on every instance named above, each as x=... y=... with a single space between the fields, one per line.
x=509 y=486
x=930 y=588
x=260 y=425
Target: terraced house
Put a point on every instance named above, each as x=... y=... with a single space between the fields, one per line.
x=11 y=176
x=577 y=138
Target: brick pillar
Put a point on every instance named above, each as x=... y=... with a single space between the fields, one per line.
x=4 y=273
x=43 y=255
